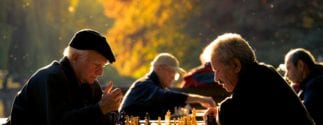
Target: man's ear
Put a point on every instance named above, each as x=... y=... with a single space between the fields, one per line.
x=236 y=65
x=300 y=65
x=157 y=68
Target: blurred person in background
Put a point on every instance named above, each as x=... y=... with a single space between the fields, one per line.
x=151 y=94
x=201 y=76
x=259 y=95
x=307 y=74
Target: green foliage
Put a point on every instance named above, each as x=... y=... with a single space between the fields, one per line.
x=4 y=48
x=5 y=34
x=35 y=32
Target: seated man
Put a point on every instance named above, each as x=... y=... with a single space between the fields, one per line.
x=67 y=92
x=151 y=95
x=259 y=95
x=305 y=72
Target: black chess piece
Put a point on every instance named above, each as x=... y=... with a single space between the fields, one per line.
x=121 y=118
x=147 y=118
x=210 y=120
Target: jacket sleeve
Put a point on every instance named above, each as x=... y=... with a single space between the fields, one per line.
x=164 y=97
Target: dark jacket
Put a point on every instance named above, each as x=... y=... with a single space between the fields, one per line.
x=146 y=95
x=53 y=96
x=312 y=94
x=262 y=97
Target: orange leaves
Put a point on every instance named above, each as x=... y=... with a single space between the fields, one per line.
x=73 y=5
x=115 y=8
x=142 y=29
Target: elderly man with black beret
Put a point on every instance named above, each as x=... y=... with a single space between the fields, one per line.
x=67 y=91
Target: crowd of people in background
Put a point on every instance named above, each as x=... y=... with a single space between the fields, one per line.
x=67 y=91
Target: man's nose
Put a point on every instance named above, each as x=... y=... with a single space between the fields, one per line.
x=99 y=71
x=215 y=78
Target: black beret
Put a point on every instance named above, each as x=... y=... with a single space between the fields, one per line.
x=88 y=39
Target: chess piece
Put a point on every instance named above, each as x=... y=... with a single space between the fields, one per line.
x=193 y=117
x=210 y=120
x=121 y=119
x=127 y=120
x=167 y=117
x=159 y=121
x=147 y=122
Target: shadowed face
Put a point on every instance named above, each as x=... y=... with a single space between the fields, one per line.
x=224 y=74
x=89 y=66
x=166 y=75
x=293 y=73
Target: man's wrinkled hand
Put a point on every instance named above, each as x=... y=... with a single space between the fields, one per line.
x=111 y=99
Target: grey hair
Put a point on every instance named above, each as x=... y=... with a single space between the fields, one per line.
x=232 y=45
x=69 y=51
x=204 y=56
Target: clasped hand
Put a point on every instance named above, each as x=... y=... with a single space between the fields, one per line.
x=111 y=99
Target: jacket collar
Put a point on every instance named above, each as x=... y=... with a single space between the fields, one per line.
x=154 y=77
x=68 y=70
x=316 y=71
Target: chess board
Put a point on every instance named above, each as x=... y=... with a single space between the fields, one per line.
x=195 y=118
x=155 y=122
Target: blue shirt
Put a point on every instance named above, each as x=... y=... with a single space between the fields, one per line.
x=146 y=95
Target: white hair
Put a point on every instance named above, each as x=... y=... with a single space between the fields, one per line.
x=69 y=51
x=205 y=55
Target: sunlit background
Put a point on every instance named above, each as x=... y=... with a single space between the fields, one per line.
x=33 y=33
